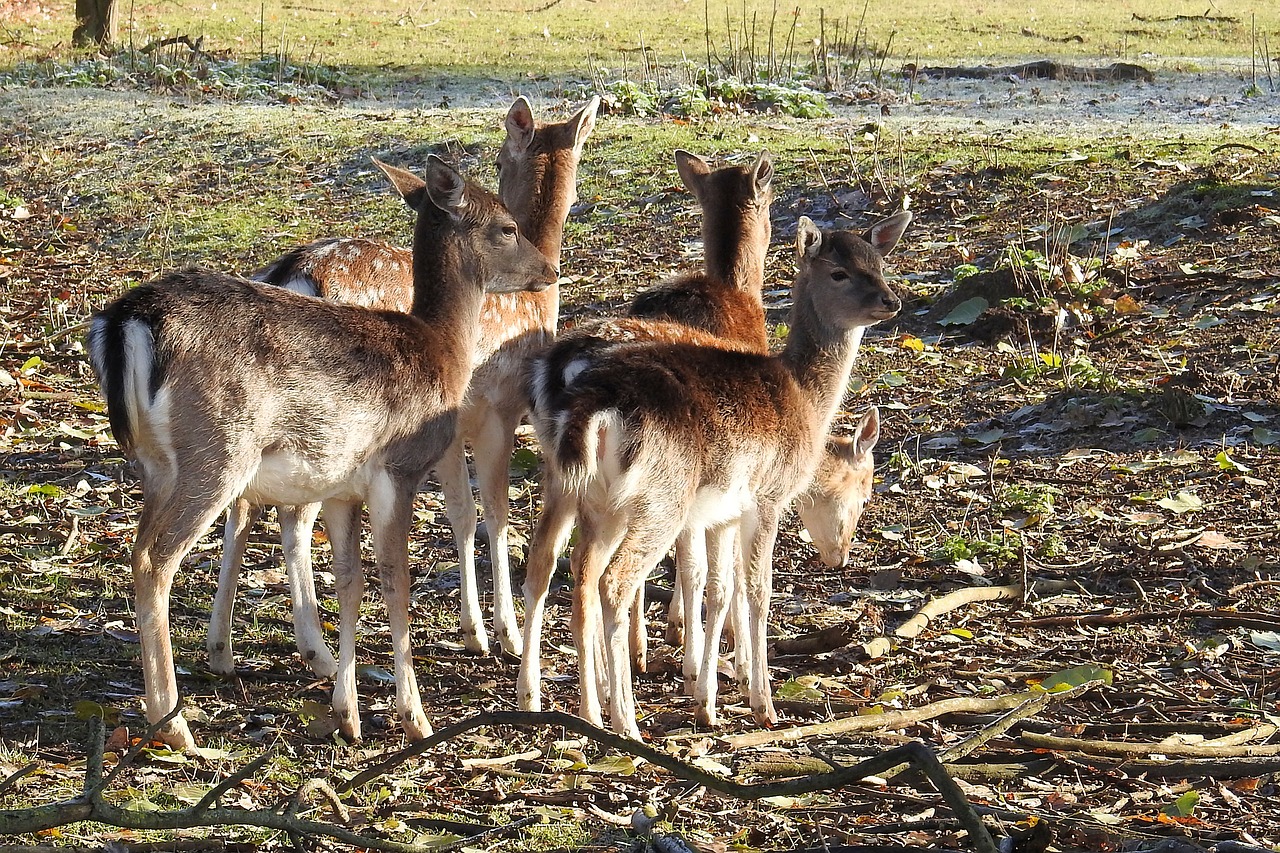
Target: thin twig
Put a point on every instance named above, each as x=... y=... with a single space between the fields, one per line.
x=325 y=790
x=487 y=835
x=128 y=757
x=17 y=776
x=215 y=793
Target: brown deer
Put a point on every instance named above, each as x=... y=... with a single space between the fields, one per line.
x=537 y=180
x=647 y=440
x=221 y=387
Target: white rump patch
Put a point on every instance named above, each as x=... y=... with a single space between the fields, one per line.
x=302 y=283
x=573 y=369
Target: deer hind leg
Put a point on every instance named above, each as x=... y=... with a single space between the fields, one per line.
x=719 y=590
x=638 y=636
x=550 y=536
x=175 y=514
x=241 y=516
x=391 y=516
x=675 y=610
x=491 y=446
x=599 y=533
x=757 y=585
x=691 y=580
x=637 y=555
x=296 y=526
x=342 y=521
x=460 y=507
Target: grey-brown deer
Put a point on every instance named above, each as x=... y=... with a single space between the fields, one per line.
x=647 y=440
x=537 y=181
x=220 y=387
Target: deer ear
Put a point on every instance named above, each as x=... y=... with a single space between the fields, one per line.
x=884 y=235
x=445 y=187
x=762 y=174
x=693 y=172
x=808 y=238
x=520 y=124
x=410 y=186
x=868 y=432
x=584 y=121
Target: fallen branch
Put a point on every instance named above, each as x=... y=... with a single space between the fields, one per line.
x=915 y=753
x=1130 y=749
x=153 y=46
x=1217 y=19
x=877 y=722
x=90 y=806
x=913 y=627
x=816 y=642
x=972 y=744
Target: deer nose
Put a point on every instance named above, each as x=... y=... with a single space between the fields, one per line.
x=891 y=302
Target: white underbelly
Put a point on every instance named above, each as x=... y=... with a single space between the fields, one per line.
x=290 y=479
x=714 y=506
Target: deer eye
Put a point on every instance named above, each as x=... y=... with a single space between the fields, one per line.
x=509 y=230
x=839 y=275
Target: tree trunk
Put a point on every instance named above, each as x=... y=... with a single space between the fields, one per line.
x=96 y=23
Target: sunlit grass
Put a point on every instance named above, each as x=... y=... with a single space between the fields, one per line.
x=514 y=38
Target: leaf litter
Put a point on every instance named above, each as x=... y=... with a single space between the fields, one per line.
x=1110 y=427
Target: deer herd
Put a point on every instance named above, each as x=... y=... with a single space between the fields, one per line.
x=346 y=372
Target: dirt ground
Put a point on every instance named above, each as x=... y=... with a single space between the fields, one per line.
x=1102 y=428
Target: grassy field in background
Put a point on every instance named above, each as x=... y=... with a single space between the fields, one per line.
x=571 y=36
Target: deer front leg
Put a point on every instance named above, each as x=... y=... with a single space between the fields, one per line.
x=241 y=516
x=491 y=447
x=758 y=588
x=296 y=526
x=719 y=550
x=460 y=507
x=691 y=580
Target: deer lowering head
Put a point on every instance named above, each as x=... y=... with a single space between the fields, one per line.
x=832 y=504
x=220 y=387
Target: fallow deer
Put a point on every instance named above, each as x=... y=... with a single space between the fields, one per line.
x=646 y=440
x=221 y=387
x=537 y=181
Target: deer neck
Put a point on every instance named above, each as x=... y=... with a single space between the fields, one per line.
x=735 y=245
x=548 y=210
x=820 y=358
x=448 y=286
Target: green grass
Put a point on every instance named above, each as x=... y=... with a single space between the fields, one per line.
x=514 y=38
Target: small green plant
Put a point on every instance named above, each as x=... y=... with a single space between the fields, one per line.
x=995 y=550
x=1030 y=500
